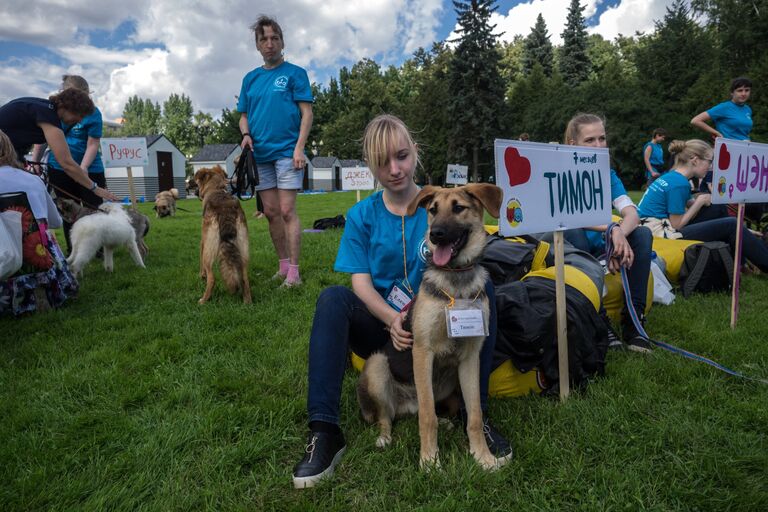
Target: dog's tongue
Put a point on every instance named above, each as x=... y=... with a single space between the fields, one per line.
x=441 y=255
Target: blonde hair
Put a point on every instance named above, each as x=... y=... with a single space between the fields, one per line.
x=684 y=150
x=380 y=138
x=8 y=154
x=75 y=81
x=573 y=129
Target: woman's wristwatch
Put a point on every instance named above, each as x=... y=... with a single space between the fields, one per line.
x=94 y=186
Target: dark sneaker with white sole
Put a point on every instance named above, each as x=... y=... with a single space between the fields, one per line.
x=497 y=443
x=321 y=454
x=640 y=344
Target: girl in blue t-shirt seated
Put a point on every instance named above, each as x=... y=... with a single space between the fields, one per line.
x=631 y=242
x=670 y=208
x=384 y=250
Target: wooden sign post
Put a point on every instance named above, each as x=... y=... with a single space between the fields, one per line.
x=357 y=178
x=125 y=152
x=552 y=188
x=739 y=175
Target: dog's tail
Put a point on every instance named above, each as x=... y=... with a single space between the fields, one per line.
x=231 y=265
x=175 y=193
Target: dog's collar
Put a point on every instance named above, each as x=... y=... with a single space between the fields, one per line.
x=456 y=269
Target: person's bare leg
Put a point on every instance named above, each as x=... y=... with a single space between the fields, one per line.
x=292 y=233
x=277 y=230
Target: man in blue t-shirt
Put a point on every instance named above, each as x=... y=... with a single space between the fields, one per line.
x=653 y=155
x=275 y=106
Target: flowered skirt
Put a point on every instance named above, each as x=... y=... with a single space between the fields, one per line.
x=26 y=293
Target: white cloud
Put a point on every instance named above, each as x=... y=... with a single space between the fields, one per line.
x=520 y=19
x=630 y=16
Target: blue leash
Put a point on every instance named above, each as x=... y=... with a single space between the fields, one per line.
x=641 y=330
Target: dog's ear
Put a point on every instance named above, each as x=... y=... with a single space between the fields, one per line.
x=490 y=196
x=425 y=196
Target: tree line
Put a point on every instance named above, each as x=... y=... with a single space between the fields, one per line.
x=458 y=96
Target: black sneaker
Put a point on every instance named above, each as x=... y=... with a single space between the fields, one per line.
x=614 y=342
x=321 y=454
x=497 y=443
x=640 y=344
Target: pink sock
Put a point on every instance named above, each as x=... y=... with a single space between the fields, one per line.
x=293 y=274
x=283 y=270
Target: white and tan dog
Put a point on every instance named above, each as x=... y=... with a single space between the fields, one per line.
x=165 y=203
x=108 y=228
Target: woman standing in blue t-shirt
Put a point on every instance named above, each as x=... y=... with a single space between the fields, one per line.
x=83 y=139
x=653 y=155
x=669 y=199
x=384 y=250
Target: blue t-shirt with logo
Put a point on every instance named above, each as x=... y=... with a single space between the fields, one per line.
x=732 y=120
x=372 y=243
x=77 y=140
x=668 y=195
x=270 y=99
x=596 y=240
x=657 y=157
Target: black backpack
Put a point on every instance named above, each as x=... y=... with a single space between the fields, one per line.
x=329 y=222
x=707 y=267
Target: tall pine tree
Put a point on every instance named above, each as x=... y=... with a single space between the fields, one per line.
x=475 y=84
x=538 y=48
x=574 y=61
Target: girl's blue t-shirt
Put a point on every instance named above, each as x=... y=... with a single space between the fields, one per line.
x=668 y=195
x=657 y=155
x=77 y=140
x=732 y=120
x=372 y=243
x=595 y=238
x=270 y=99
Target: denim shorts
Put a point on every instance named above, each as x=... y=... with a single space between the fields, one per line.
x=279 y=174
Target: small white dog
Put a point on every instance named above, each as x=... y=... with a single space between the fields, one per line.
x=109 y=227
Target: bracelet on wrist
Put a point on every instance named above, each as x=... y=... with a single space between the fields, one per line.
x=94 y=186
x=246 y=134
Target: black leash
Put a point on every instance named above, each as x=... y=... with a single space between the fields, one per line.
x=245 y=176
x=43 y=175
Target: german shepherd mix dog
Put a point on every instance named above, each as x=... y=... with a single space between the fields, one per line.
x=441 y=365
x=224 y=236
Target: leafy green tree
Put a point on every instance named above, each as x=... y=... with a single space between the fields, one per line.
x=140 y=117
x=538 y=48
x=226 y=129
x=177 y=123
x=476 y=88
x=574 y=62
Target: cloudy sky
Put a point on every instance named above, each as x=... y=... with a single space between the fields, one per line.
x=203 y=48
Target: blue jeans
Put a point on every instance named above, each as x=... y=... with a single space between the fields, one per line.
x=724 y=230
x=641 y=242
x=342 y=322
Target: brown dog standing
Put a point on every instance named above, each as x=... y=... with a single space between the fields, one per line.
x=224 y=235
x=441 y=364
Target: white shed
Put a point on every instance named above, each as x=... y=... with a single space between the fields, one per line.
x=325 y=173
x=212 y=155
x=164 y=172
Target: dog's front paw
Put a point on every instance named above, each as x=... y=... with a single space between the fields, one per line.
x=383 y=441
x=491 y=463
x=202 y=300
x=427 y=463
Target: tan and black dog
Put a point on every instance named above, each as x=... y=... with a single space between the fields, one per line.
x=224 y=235
x=165 y=203
x=441 y=366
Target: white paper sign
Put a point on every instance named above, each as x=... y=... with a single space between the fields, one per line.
x=124 y=152
x=551 y=187
x=739 y=172
x=357 y=178
x=456 y=174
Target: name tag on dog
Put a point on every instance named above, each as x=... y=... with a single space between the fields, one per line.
x=465 y=321
x=398 y=296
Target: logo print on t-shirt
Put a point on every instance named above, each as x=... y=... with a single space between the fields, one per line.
x=423 y=250
x=281 y=82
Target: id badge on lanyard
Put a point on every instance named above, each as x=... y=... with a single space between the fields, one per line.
x=465 y=319
x=398 y=295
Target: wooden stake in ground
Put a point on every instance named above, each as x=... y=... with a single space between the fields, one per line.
x=562 y=318
x=737 y=266
x=131 y=190
x=358 y=195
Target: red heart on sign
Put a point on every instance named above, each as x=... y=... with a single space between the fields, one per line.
x=518 y=167
x=724 y=160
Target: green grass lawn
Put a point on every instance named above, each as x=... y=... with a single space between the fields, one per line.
x=134 y=397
